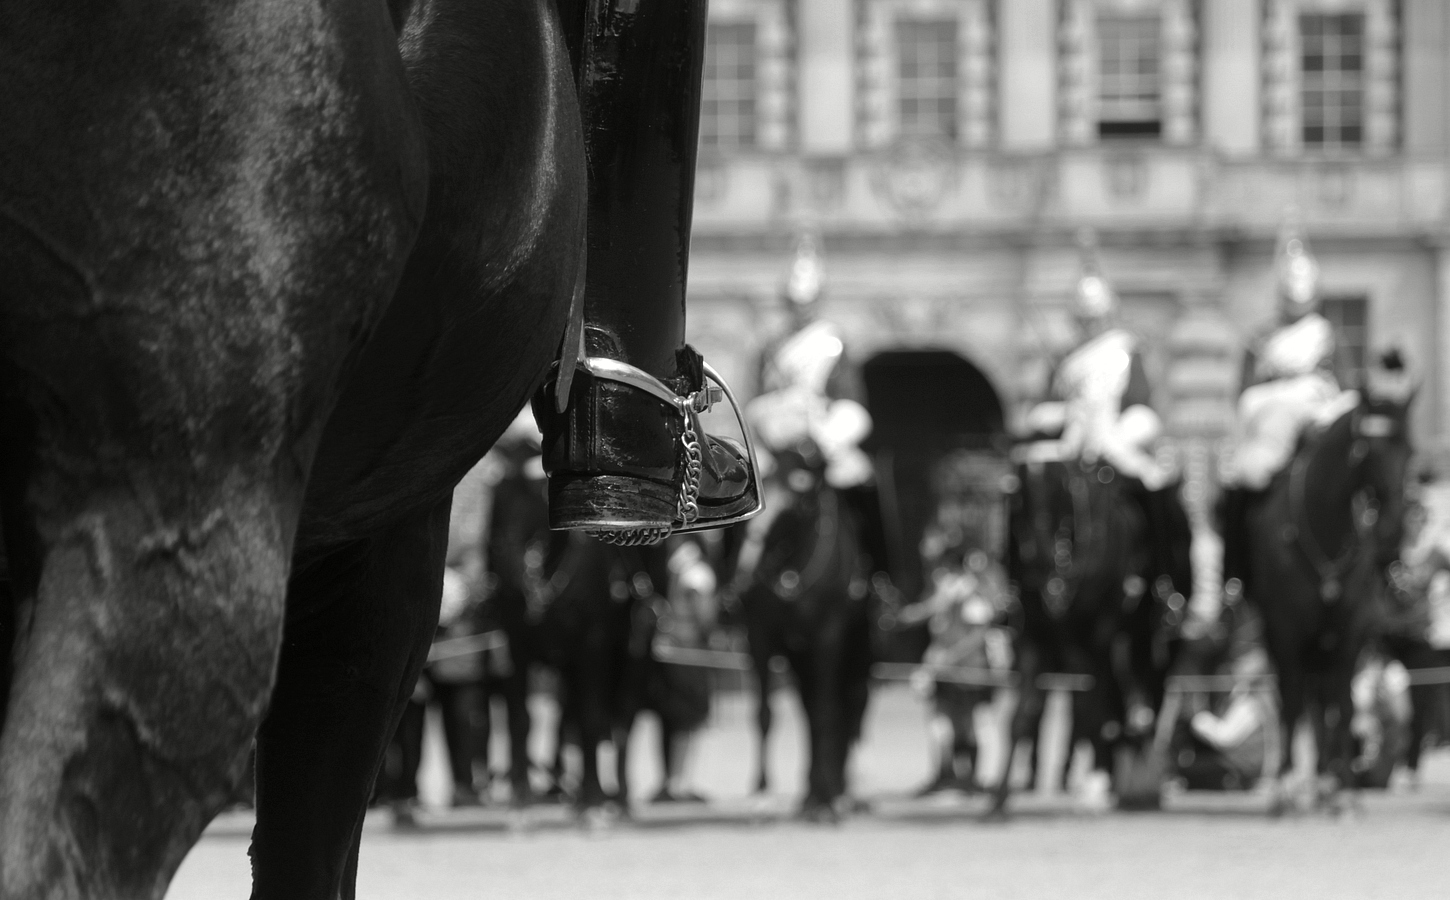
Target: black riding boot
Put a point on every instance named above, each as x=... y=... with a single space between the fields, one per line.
x=627 y=457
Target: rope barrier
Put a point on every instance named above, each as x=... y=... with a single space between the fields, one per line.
x=1195 y=684
x=1428 y=676
x=974 y=677
x=733 y=661
x=464 y=646
x=703 y=659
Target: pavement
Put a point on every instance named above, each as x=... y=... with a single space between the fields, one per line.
x=1394 y=845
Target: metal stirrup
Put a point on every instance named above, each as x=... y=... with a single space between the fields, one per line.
x=688 y=406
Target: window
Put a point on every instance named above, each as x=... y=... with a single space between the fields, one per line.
x=927 y=60
x=1129 y=95
x=727 y=107
x=1349 y=316
x=1332 y=54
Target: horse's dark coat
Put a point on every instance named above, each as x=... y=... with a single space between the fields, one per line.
x=1315 y=636
x=582 y=617
x=1078 y=538
x=206 y=211
x=800 y=604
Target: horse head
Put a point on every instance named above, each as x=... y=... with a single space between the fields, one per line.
x=1052 y=522
x=798 y=477
x=1382 y=449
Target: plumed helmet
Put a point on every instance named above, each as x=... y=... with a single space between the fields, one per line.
x=1094 y=298
x=807 y=272
x=1297 y=271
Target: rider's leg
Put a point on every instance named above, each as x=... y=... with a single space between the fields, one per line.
x=617 y=457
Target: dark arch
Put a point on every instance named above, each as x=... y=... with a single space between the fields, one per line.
x=930 y=399
x=925 y=405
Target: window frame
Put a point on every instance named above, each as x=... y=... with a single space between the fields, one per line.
x=1109 y=125
x=1340 y=82
x=745 y=137
x=947 y=96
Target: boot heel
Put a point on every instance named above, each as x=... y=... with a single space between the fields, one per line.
x=609 y=503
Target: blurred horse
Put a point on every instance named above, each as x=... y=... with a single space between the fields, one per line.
x=582 y=608
x=803 y=597
x=1077 y=554
x=1314 y=571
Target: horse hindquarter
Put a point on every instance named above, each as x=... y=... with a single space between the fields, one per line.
x=193 y=249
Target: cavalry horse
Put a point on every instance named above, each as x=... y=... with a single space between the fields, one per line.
x=1314 y=569
x=1090 y=584
x=584 y=609
x=277 y=275
x=804 y=599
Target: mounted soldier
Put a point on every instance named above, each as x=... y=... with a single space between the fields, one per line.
x=1099 y=549
x=1101 y=406
x=807 y=384
x=806 y=402
x=1287 y=384
x=1100 y=401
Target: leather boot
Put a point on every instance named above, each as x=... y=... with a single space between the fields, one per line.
x=626 y=456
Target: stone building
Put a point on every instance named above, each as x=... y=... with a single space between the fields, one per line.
x=949 y=151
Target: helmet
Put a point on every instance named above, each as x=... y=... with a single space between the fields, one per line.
x=1298 y=273
x=1094 y=300
x=807 y=272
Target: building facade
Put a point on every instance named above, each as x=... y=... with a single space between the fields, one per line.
x=950 y=153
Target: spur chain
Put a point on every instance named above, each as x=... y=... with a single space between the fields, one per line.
x=687 y=508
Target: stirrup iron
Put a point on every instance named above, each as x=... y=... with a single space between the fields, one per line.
x=688 y=407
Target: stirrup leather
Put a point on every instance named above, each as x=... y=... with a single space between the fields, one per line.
x=688 y=406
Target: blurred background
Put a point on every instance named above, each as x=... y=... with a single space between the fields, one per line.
x=950 y=153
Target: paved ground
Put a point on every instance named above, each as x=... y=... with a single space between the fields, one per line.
x=741 y=847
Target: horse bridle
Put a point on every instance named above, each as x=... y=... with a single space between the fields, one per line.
x=814 y=569
x=1332 y=572
x=1061 y=586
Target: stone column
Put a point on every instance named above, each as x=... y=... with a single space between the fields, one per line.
x=975 y=107
x=1281 y=78
x=1231 y=79
x=1028 y=81
x=772 y=46
x=1180 y=71
x=1381 y=78
x=1077 y=72
x=827 y=77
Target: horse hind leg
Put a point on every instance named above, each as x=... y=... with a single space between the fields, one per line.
x=346 y=673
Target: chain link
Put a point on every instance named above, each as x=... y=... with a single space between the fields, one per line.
x=687 y=508
x=634 y=537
